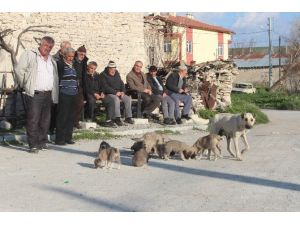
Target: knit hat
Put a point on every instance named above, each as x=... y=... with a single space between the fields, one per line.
x=81 y=49
x=182 y=67
x=111 y=64
x=152 y=68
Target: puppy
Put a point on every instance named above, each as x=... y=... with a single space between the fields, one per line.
x=175 y=146
x=103 y=145
x=151 y=140
x=211 y=143
x=137 y=146
x=233 y=127
x=140 y=158
x=107 y=156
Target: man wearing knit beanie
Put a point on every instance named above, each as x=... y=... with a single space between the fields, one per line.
x=80 y=65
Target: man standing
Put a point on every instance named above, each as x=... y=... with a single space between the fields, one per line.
x=137 y=81
x=159 y=89
x=114 y=87
x=37 y=74
x=176 y=85
x=59 y=55
x=94 y=92
x=80 y=65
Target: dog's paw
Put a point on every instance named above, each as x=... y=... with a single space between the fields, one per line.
x=244 y=150
x=239 y=159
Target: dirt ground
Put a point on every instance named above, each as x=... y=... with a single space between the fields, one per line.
x=63 y=178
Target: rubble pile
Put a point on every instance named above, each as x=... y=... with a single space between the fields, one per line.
x=210 y=84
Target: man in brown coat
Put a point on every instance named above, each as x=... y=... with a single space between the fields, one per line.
x=137 y=81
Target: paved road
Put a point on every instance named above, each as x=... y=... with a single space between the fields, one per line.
x=62 y=179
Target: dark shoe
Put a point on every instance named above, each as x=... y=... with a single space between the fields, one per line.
x=129 y=120
x=108 y=123
x=167 y=121
x=173 y=122
x=118 y=121
x=44 y=147
x=178 y=121
x=77 y=126
x=60 y=143
x=154 y=116
x=33 y=150
x=71 y=142
x=186 y=117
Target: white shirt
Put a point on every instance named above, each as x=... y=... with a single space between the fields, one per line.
x=44 y=79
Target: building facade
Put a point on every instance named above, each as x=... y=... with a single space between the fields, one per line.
x=187 y=39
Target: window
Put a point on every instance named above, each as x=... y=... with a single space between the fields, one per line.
x=220 y=50
x=189 y=46
x=167 y=46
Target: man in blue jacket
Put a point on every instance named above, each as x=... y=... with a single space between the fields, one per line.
x=177 y=90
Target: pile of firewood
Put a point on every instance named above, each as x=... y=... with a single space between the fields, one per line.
x=210 y=83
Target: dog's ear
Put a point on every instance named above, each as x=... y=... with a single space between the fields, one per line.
x=243 y=115
x=254 y=115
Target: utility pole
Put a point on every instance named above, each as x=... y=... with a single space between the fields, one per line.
x=270 y=52
x=279 y=57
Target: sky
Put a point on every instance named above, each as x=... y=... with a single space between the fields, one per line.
x=251 y=26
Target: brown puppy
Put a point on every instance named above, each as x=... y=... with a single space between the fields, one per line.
x=106 y=157
x=137 y=146
x=175 y=146
x=140 y=158
x=211 y=143
x=151 y=140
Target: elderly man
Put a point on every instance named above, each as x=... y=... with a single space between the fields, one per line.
x=177 y=90
x=37 y=74
x=59 y=55
x=94 y=92
x=159 y=89
x=114 y=87
x=80 y=65
x=137 y=81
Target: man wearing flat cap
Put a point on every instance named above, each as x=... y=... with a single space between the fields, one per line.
x=114 y=87
x=177 y=90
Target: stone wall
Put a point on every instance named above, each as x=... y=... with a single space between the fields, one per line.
x=257 y=76
x=107 y=36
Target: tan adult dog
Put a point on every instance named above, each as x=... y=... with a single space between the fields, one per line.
x=233 y=126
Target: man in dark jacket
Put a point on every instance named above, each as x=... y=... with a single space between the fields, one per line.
x=80 y=65
x=177 y=90
x=94 y=92
x=114 y=87
x=159 y=89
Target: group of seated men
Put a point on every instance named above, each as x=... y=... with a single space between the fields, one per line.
x=108 y=87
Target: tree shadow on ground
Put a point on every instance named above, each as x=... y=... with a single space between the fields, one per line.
x=228 y=176
x=118 y=207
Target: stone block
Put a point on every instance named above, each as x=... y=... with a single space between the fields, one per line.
x=88 y=125
x=140 y=121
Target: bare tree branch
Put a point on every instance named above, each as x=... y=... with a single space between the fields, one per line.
x=30 y=29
